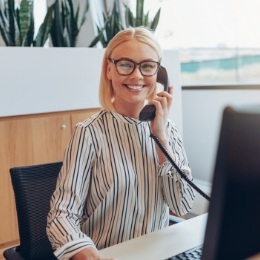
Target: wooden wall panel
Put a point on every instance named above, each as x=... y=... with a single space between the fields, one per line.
x=26 y=140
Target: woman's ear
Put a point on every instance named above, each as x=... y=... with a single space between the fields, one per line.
x=109 y=76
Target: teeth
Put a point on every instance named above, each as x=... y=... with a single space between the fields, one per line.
x=135 y=87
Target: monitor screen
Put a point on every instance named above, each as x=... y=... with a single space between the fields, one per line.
x=233 y=226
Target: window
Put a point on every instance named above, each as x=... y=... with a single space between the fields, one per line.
x=218 y=40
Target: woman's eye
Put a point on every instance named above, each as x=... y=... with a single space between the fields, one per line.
x=126 y=65
x=147 y=66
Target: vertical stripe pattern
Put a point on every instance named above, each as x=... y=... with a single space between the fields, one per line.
x=111 y=188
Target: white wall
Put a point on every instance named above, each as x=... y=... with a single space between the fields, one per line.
x=40 y=80
x=202 y=113
x=171 y=63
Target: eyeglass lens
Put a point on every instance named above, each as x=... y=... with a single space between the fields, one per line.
x=126 y=67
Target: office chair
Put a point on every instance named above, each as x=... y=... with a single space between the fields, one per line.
x=33 y=186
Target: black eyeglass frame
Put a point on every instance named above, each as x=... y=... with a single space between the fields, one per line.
x=135 y=64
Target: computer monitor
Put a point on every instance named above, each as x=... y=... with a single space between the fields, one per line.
x=233 y=226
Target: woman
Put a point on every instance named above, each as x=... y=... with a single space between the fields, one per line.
x=115 y=183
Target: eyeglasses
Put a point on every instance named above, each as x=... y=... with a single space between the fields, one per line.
x=126 y=67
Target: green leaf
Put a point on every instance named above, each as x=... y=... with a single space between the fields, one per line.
x=140 y=18
x=139 y=12
x=97 y=38
x=156 y=19
x=8 y=23
x=45 y=28
x=17 y=35
x=66 y=24
x=26 y=7
x=56 y=29
x=4 y=27
x=11 y=17
x=71 y=23
x=67 y=38
x=129 y=17
x=146 y=20
x=30 y=33
x=112 y=25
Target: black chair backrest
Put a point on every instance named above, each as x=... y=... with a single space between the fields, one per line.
x=33 y=186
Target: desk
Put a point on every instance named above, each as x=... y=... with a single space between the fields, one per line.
x=161 y=244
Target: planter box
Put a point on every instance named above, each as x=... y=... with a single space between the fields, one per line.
x=39 y=80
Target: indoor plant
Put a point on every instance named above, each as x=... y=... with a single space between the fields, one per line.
x=141 y=18
x=113 y=23
x=66 y=23
x=17 y=23
x=61 y=23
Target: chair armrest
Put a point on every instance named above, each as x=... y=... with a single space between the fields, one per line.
x=12 y=253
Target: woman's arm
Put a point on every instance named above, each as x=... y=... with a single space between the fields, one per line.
x=68 y=200
x=177 y=192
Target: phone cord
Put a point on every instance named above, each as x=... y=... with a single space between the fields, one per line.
x=178 y=169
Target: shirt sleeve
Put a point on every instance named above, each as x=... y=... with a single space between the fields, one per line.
x=67 y=202
x=178 y=193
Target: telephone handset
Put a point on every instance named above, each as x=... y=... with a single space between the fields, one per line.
x=148 y=112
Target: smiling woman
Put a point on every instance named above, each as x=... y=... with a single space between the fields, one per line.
x=115 y=181
x=132 y=86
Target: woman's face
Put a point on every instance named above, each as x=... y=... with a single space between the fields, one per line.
x=132 y=90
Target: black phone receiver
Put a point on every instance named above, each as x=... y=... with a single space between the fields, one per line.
x=148 y=112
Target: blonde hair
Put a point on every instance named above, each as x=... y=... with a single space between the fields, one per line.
x=106 y=92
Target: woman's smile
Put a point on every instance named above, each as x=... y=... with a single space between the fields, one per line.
x=134 y=87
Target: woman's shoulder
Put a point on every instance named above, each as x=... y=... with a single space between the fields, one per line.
x=93 y=119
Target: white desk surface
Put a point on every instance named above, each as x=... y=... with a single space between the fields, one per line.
x=161 y=244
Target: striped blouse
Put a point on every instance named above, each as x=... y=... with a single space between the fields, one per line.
x=111 y=187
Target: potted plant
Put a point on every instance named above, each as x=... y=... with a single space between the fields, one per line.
x=61 y=23
x=112 y=25
x=66 y=23
x=17 y=23
x=112 y=22
x=141 y=18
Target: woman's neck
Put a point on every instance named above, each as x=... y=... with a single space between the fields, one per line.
x=128 y=111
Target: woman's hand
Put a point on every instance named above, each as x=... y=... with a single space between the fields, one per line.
x=162 y=103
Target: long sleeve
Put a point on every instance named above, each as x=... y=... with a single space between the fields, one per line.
x=178 y=194
x=67 y=201
x=110 y=187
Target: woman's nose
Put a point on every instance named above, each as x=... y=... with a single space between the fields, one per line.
x=136 y=72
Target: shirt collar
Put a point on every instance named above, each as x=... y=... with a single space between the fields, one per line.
x=125 y=119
